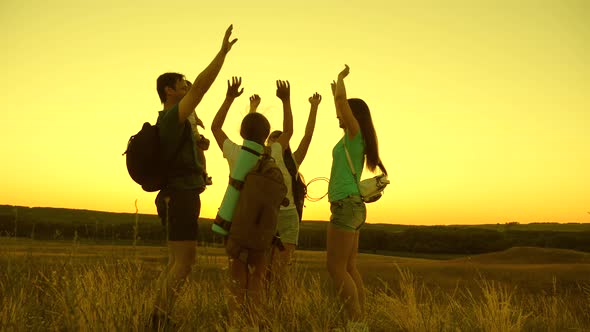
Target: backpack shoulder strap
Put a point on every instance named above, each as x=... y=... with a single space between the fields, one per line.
x=350 y=162
x=382 y=168
x=252 y=151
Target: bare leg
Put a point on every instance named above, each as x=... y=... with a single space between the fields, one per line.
x=281 y=273
x=340 y=245
x=181 y=259
x=356 y=276
x=238 y=279
x=257 y=268
x=163 y=275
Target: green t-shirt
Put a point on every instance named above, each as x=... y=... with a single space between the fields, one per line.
x=342 y=183
x=186 y=171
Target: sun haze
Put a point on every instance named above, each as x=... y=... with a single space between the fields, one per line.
x=481 y=107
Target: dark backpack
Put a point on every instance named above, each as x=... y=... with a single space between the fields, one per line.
x=144 y=159
x=299 y=188
x=254 y=223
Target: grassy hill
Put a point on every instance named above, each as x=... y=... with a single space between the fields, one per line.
x=412 y=241
x=529 y=255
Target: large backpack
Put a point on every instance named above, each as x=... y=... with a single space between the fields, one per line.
x=145 y=163
x=254 y=222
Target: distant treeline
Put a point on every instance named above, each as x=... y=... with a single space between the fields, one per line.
x=85 y=225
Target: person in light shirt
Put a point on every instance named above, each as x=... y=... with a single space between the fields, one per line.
x=200 y=140
x=289 y=216
x=247 y=276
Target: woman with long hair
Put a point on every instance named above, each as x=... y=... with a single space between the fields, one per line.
x=348 y=211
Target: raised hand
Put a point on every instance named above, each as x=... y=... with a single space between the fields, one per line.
x=233 y=88
x=315 y=100
x=344 y=72
x=333 y=86
x=254 y=102
x=283 y=90
x=227 y=44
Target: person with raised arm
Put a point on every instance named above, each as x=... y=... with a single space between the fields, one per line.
x=289 y=216
x=246 y=272
x=178 y=203
x=348 y=211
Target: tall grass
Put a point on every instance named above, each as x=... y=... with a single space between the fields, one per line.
x=496 y=309
x=116 y=293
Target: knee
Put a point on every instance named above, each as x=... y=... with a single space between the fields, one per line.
x=351 y=268
x=187 y=259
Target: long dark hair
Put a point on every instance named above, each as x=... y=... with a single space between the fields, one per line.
x=361 y=112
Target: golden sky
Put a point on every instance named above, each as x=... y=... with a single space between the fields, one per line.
x=481 y=107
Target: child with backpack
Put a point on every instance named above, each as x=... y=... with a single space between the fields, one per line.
x=248 y=251
x=289 y=216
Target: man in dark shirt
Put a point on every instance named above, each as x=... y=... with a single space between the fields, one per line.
x=178 y=203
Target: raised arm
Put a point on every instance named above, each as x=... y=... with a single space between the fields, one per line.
x=284 y=94
x=233 y=91
x=203 y=82
x=254 y=102
x=343 y=110
x=301 y=151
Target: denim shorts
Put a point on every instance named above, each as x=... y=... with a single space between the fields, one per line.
x=348 y=213
x=288 y=226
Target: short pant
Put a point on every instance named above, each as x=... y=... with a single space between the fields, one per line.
x=181 y=214
x=348 y=213
x=288 y=226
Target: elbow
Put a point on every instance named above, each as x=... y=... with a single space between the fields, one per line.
x=216 y=133
x=288 y=128
x=288 y=132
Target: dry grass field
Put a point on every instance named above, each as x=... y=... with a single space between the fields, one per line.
x=69 y=286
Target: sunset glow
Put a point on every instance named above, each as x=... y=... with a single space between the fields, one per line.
x=482 y=108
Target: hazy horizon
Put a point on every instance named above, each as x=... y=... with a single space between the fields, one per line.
x=319 y=220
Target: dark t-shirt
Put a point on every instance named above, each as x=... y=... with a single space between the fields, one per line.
x=186 y=171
